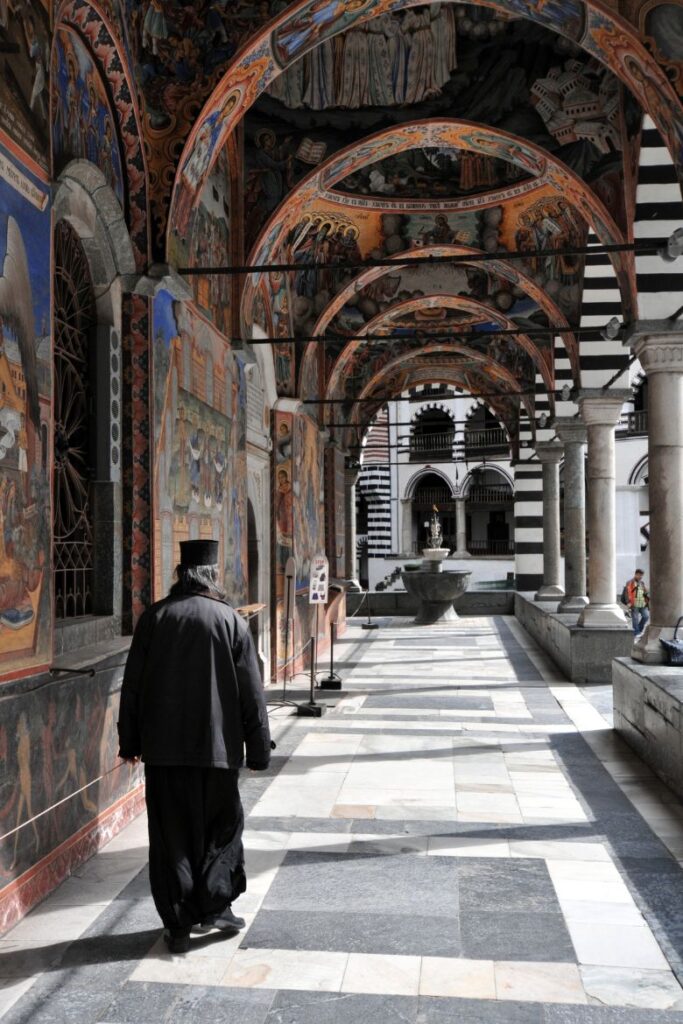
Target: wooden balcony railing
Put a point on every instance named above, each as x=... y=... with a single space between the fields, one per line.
x=489 y=494
x=633 y=423
x=488 y=439
x=430 y=447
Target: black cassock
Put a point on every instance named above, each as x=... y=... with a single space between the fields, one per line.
x=191 y=702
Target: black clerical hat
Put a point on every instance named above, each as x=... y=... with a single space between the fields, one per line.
x=199 y=552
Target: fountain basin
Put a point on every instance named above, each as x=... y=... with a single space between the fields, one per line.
x=436 y=592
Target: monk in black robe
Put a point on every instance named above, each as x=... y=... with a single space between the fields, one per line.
x=192 y=700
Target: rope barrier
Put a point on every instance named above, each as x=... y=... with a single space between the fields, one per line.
x=64 y=799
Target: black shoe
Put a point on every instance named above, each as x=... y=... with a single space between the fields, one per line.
x=226 y=921
x=177 y=942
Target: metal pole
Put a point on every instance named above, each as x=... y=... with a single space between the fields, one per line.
x=332 y=681
x=310 y=709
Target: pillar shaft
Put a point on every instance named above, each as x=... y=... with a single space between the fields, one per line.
x=460 y=528
x=350 y=544
x=600 y=413
x=549 y=455
x=572 y=433
x=661 y=355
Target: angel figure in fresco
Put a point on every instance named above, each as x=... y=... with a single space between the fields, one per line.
x=35 y=50
x=154 y=26
x=284 y=510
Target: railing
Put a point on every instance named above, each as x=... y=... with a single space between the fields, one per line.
x=491 y=547
x=489 y=495
x=485 y=440
x=633 y=423
x=425 y=447
x=433 y=496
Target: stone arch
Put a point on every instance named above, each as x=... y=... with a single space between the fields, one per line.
x=85 y=201
x=432 y=471
x=638 y=474
x=488 y=466
x=94 y=28
x=287 y=37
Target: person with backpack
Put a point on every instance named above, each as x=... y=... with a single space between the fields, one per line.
x=636 y=597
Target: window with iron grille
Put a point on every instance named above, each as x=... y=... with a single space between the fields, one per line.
x=74 y=322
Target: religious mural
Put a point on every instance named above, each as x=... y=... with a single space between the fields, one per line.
x=24 y=68
x=199 y=445
x=298 y=489
x=25 y=418
x=54 y=742
x=83 y=123
x=209 y=245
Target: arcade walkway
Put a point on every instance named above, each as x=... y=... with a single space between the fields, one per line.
x=460 y=839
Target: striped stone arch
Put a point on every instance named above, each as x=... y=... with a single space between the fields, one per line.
x=420 y=473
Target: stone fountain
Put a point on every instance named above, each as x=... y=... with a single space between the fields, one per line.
x=435 y=589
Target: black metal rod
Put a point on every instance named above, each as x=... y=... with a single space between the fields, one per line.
x=647 y=246
x=432 y=333
x=314 y=654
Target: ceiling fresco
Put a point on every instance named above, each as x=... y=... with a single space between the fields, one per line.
x=601 y=34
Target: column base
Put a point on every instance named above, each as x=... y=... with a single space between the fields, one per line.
x=602 y=616
x=647 y=648
x=549 y=592
x=460 y=554
x=573 y=604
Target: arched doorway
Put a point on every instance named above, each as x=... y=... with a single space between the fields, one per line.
x=432 y=490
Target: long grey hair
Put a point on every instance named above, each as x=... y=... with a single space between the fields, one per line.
x=197 y=579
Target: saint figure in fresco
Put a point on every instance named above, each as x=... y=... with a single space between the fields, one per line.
x=284 y=510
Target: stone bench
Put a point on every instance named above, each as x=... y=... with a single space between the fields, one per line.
x=647 y=713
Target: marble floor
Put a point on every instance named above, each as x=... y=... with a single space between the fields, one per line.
x=460 y=838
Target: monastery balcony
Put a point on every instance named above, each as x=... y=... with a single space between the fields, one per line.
x=489 y=494
x=486 y=441
x=633 y=424
x=432 y=447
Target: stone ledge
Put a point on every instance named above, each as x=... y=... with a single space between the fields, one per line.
x=647 y=713
x=398 y=602
x=584 y=654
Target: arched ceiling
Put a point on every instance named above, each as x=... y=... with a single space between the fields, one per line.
x=392 y=130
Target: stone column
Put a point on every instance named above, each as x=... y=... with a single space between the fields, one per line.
x=350 y=545
x=406 y=526
x=572 y=433
x=600 y=411
x=659 y=347
x=549 y=454
x=460 y=529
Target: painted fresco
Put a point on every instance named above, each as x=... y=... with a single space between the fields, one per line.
x=615 y=44
x=24 y=66
x=429 y=173
x=25 y=419
x=200 y=473
x=83 y=125
x=298 y=489
x=53 y=742
x=210 y=245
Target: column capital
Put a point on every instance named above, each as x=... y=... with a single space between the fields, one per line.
x=351 y=475
x=569 y=429
x=657 y=344
x=602 y=408
x=549 y=452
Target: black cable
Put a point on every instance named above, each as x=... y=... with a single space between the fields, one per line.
x=644 y=246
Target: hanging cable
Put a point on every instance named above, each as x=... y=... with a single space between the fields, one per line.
x=640 y=246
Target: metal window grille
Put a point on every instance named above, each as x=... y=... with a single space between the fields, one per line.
x=74 y=319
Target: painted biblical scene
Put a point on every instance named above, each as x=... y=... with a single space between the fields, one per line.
x=84 y=126
x=430 y=173
x=200 y=476
x=299 y=520
x=25 y=419
x=24 y=66
x=209 y=245
x=430 y=62
x=56 y=744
